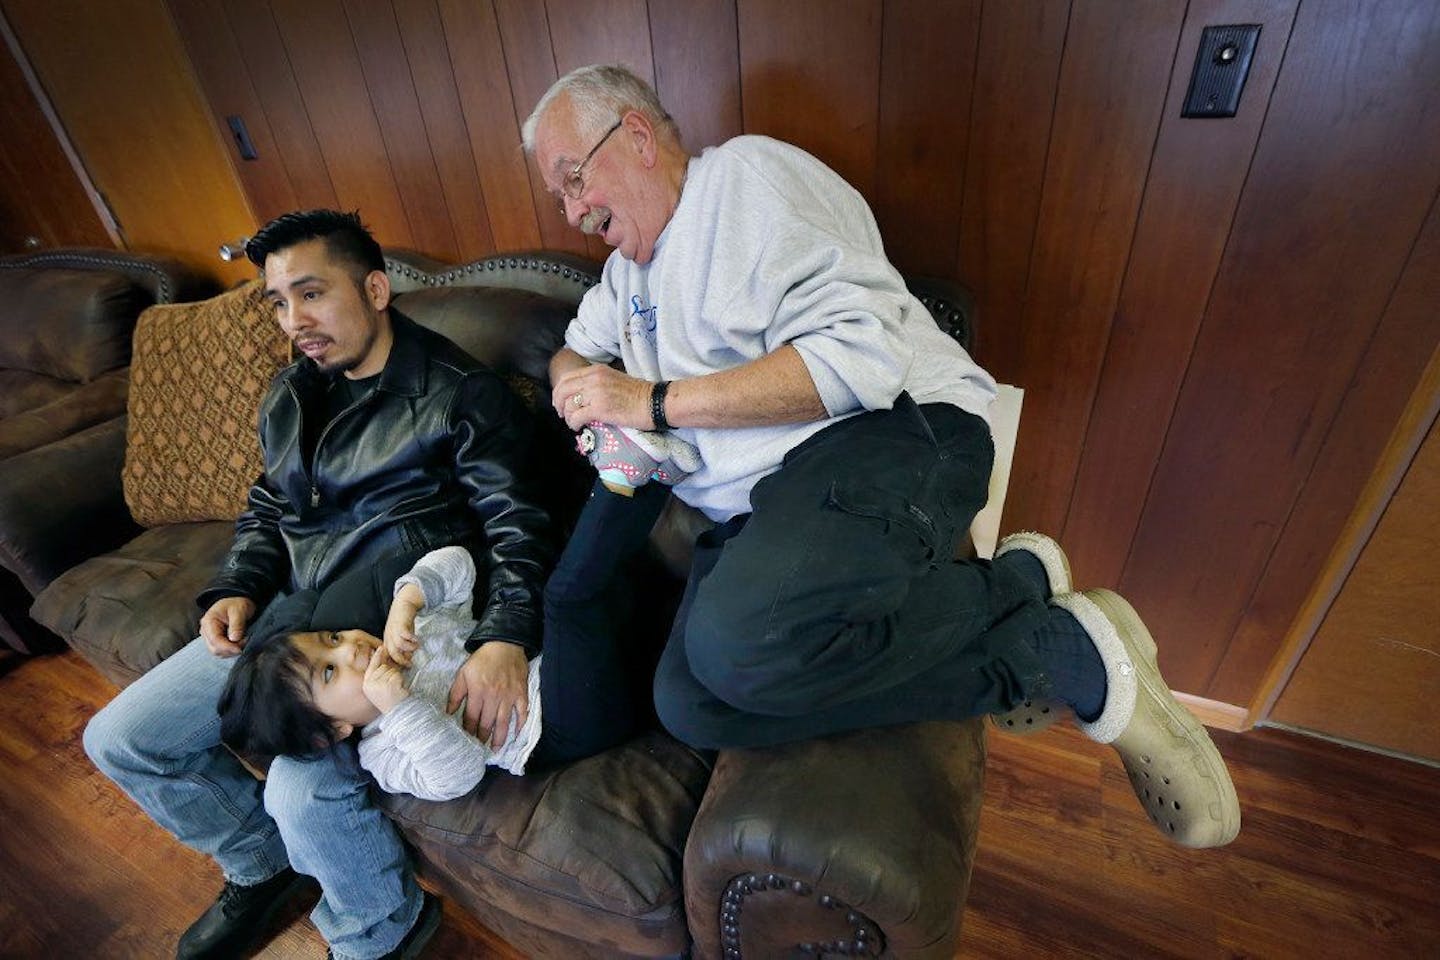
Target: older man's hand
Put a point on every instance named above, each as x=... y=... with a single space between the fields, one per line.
x=493 y=683
x=598 y=392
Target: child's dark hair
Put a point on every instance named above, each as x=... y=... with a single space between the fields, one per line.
x=266 y=708
x=345 y=238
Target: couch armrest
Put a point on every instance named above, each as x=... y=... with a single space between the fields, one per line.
x=859 y=844
x=63 y=503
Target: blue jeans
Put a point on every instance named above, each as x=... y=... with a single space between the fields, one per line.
x=159 y=740
x=835 y=604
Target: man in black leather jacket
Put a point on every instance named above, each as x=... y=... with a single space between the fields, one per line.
x=384 y=439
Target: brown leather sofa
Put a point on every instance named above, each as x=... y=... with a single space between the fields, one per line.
x=858 y=845
x=66 y=317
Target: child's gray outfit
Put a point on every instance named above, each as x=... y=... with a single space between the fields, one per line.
x=416 y=747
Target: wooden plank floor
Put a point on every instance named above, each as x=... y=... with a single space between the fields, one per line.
x=1339 y=855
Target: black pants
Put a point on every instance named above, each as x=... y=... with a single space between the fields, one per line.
x=836 y=605
x=594 y=641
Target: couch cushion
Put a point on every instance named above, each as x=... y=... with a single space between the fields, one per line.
x=129 y=609
x=82 y=406
x=61 y=504
x=68 y=324
x=197 y=378
x=595 y=846
x=22 y=390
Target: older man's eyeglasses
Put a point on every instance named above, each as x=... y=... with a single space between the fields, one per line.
x=574 y=184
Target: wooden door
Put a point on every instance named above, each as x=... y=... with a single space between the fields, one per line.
x=42 y=201
x=1372 y=672
x=123 y=89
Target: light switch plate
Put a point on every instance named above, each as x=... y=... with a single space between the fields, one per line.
x=1221 y=67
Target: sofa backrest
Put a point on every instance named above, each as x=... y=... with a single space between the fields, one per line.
x=69 y=314
x=165 y=279
x=67 y=324
x=562 y=276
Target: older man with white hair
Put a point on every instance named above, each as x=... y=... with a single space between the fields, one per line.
x=843 y=448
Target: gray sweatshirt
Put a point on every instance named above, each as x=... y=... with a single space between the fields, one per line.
x=769 y=247
x=418 y=748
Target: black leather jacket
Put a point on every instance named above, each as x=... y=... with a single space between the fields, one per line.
x=434 y=455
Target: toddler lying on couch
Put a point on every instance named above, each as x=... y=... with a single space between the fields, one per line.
x=303 y=683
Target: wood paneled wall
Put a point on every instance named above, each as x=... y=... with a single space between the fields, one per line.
x=119 y=79
x=1216 y=321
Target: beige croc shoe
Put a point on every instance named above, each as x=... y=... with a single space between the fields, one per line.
x=1032 y=716
x=1178 y=775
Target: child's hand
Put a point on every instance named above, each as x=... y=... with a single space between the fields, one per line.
x=400 y=639
x=384 y=684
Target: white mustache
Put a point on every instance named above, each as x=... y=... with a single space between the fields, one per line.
x=590 y=223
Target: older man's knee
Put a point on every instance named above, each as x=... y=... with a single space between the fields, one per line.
x=682 y=716
x=732 y=657
x=673 y=713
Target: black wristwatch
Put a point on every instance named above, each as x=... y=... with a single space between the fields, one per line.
x=657 y=405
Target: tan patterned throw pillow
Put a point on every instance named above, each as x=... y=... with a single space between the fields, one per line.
x=197 y=375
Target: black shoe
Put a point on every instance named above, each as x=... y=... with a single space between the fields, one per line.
x=425 y=926
x=239 y=917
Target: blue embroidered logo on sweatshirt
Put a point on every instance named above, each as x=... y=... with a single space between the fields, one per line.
x=642 y=320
